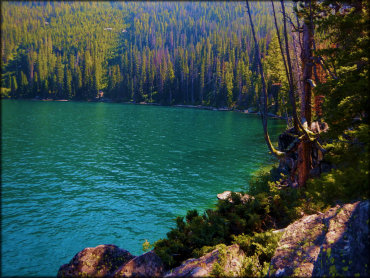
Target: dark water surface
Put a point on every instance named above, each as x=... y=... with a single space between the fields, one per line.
x=77 y=175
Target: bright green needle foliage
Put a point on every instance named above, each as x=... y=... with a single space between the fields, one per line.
x=147 y=246
x=344 y=44
x=259 y=249
x=349 y=180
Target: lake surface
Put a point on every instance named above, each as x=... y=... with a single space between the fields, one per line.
x=78 y=174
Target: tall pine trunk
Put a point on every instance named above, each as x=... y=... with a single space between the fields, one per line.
x=304 y=148
x=307 y=65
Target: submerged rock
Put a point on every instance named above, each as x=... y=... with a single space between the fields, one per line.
x=146 y=265
x=326 y=244
x=99 y=261
x=230 y=260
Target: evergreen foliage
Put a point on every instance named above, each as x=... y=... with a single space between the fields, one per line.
x=163 y=52
x=259 y=249
x=196 y=235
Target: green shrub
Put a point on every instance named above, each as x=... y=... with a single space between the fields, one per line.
x=218 y=267
x=147 y=246
x=202 y=251
x=259 y=181
x=259 y=249
x=215 y=226
x=349 y=180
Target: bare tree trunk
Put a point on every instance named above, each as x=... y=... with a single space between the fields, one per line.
x=290 y=72
x=298 y=69
x=304 y=148
x=297 y=53
x=263 y=98
x=307 y=63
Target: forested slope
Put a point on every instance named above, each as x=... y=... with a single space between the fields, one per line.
x=163 y=52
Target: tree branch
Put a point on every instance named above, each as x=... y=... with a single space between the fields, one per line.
x=326 y=68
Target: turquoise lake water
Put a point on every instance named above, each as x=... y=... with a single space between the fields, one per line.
x=78 y=174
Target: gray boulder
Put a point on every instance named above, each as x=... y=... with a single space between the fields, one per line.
x=146 y=265
x=229 y=259
x=99 y=261
x=334 y=243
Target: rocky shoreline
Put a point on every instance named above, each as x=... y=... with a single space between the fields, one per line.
x=332 y=243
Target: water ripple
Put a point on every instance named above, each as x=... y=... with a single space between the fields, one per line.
x=73 y=179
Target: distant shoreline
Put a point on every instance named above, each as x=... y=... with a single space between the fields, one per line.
x=201 y=107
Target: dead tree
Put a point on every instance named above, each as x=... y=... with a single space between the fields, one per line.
x=305 y=139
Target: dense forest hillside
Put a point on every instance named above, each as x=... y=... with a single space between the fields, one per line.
x=163 y=52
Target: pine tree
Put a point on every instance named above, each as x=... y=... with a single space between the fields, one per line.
x=229 y=85
x=67 y=83
x=23 y=85
x=59 y=77
x=13 y=86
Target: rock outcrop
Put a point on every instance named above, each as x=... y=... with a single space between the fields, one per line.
x=99 y=261
x=334 y=243
x=326 y=244
x=110 y=261
x=226 y=195
x=229 y=260
x=146 y=265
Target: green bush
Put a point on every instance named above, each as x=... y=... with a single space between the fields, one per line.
x=194 y=235
x=258 y=183
x=349 y=180
x=259 y=249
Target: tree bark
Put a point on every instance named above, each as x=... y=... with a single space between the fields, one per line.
x=297 y=52
x=304 y=148
x=307 y=64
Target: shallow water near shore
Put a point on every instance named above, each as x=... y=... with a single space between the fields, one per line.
x=78 y=174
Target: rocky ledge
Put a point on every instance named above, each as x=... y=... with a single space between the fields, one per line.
x=110 y=261
x=334 y=243
x=324 y=244
x=228 y=258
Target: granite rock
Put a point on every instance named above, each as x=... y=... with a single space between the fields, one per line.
x=99 y=261
x=325 y=244
x=146 y=265
x=230 y=259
